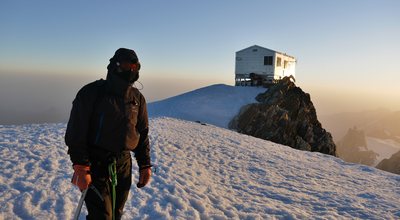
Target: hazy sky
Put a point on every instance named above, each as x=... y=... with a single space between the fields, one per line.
x=346 y=49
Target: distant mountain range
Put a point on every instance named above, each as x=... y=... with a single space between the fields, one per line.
x=392 y=164
x=380 y=130
x=380 y=123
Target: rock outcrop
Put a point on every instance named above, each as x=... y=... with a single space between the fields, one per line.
x=391 y=165
x=285 y=115
x=353 y=148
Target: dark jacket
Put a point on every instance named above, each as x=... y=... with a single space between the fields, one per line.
x=108 y=117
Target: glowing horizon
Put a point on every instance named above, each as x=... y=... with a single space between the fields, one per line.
x=345 y=50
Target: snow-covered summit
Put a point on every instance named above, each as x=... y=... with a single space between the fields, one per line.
x=215 y=104
x=201 y=172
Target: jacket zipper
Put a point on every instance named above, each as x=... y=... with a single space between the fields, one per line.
x=99 y=128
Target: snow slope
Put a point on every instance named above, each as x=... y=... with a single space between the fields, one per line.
x=201 y=172
x=216 y=104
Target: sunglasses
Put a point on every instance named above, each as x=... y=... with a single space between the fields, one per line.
x=129 y=65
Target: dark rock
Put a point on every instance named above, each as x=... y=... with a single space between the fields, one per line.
x=285 y=115
x=391 y=165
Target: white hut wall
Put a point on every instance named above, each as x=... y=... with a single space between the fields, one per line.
x=284 y=66
x=251 y=60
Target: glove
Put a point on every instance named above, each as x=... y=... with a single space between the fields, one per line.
x=81 y=177
x=144 y=176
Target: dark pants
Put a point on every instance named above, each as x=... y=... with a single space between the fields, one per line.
x=99 y=209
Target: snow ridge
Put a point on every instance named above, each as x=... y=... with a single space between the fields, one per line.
x=201 y=172
x=215 y=104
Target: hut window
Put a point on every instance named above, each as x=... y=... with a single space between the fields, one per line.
x=285 y=64
x=278 y=61
x=268 y=60
x=254 y=50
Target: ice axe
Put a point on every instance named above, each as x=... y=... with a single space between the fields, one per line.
x=80 y=204
x=82 y=199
